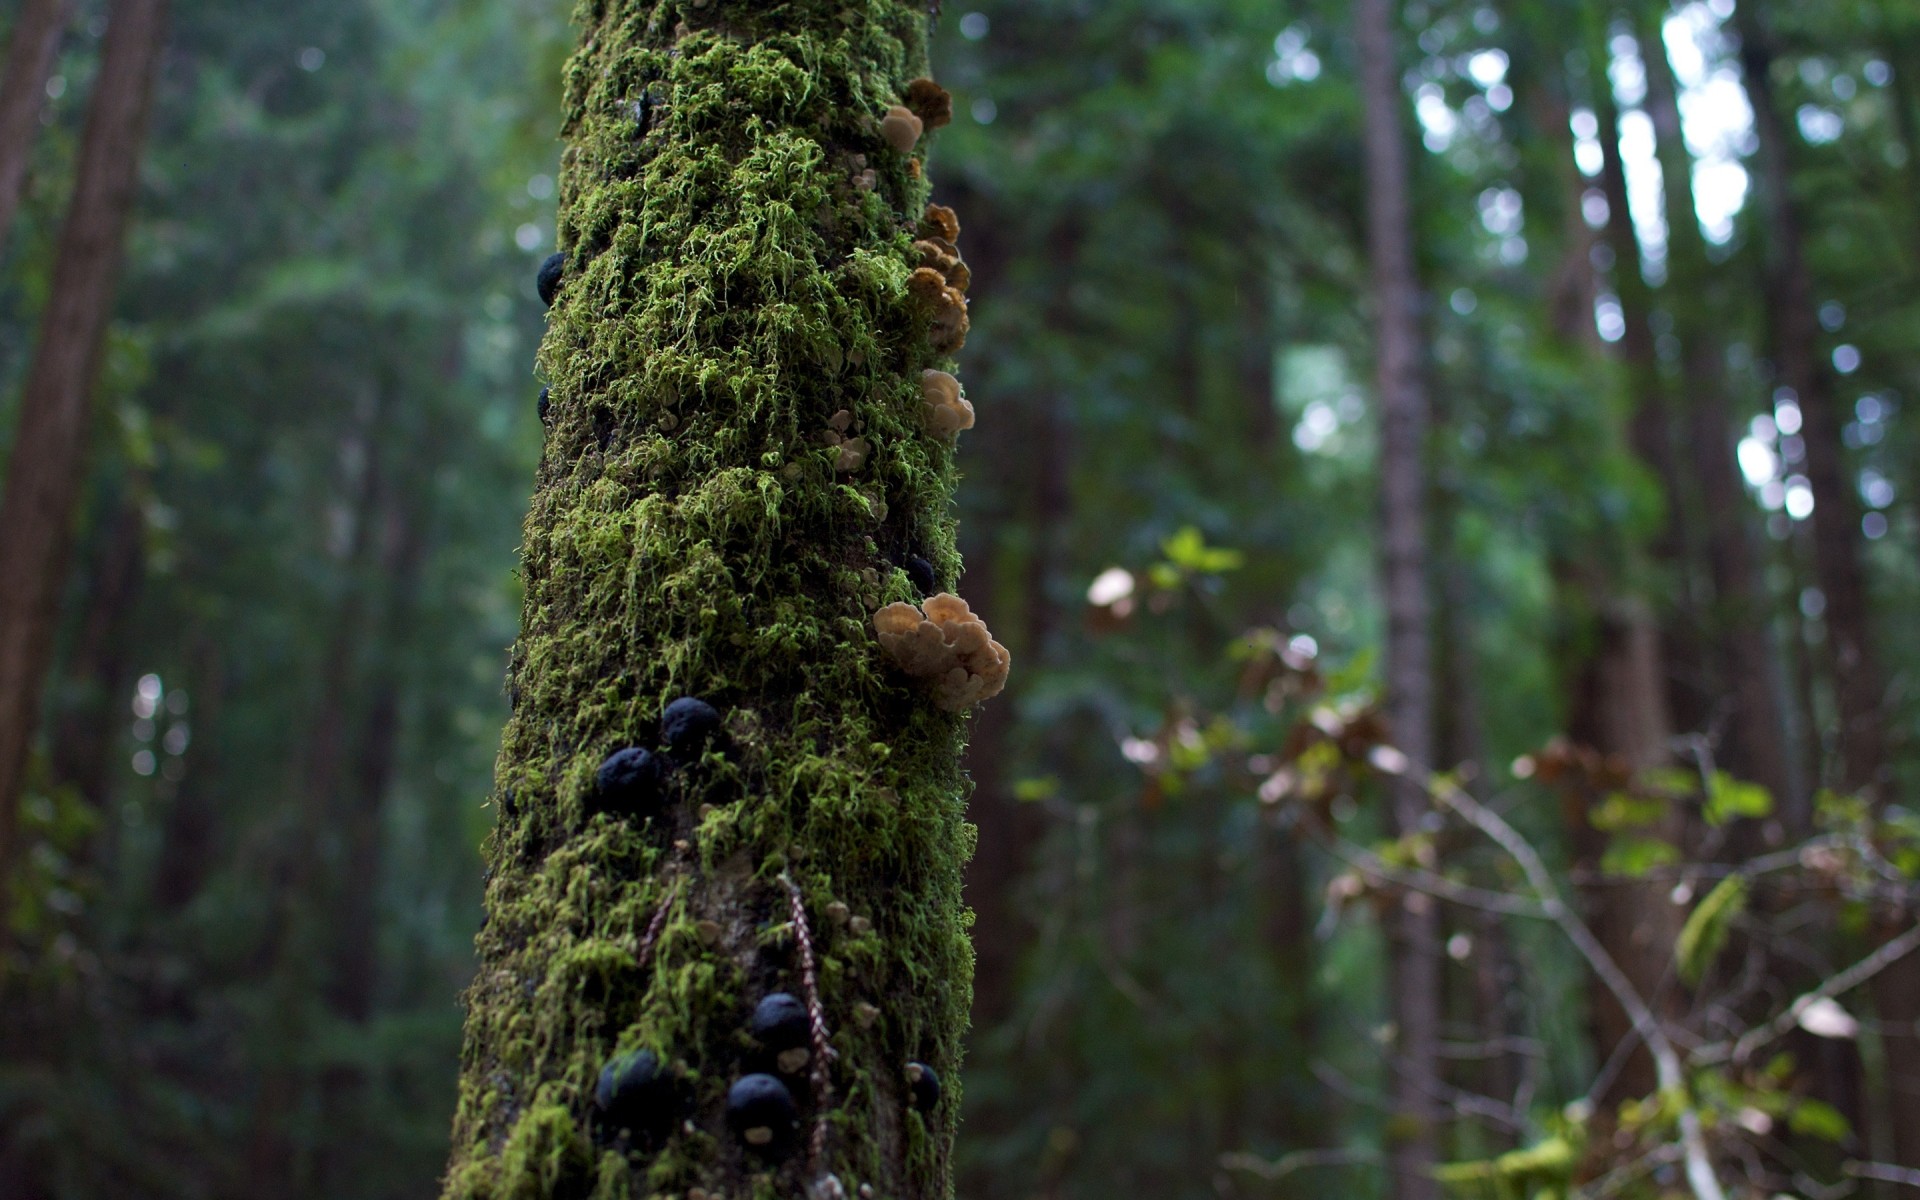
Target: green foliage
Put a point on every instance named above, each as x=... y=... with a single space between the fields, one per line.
x=1708 y=926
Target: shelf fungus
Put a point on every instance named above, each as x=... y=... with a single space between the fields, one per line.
x=930 y=102
x=946 y=646
x=941 y=280
x=947 y=412
x=901 y=129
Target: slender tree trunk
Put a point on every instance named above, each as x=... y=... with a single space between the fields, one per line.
x=692 y=536
x=97 y=672
x=1859 y=687
x=1756 y=744
x=49 y=448
x=1650 y=433
x=1403 y=402
x=1858 y=682
x=23 y=92
x=1619 y=709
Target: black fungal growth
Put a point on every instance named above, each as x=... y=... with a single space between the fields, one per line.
x=634 y=1095
x=545 y=403
x=687 y=726
x=761 y=1110
x=629 y=782
x=920 y=572
x=548 y=280
x=780 y=1022
x=925 y=1085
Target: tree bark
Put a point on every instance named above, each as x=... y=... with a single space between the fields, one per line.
x=1858 y=682
x=1794 y=325
x=734 y=280
x=23 y=93
x=44 y=476
x=1756 y=743
x=1403 y=495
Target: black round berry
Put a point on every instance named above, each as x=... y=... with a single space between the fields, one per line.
x=687 y=726
x=544 y=404
x=629 y=782
x=780 y=1022
x=548 y=280
x=634 y=1094
x=761 y=1110
x=925 y=1085
x=920 y=571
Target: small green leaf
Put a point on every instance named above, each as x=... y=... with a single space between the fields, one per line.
x=1705 y=932
x=1729 y=799
x=1815 y=1118
x=1623 y=811
x=1035 y=791
x=1635 y=857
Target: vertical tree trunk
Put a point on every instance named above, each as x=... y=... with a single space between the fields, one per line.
x=23 y=92
x=1650 y=430
x=1858 y=684
x=1403 y=492
x=98 y=671
x=43 y=478
x=1619 y=709
x=1756 y=746
x=1794 y=324
x=735 y=277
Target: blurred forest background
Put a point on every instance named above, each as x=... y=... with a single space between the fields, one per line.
x=1668 y=327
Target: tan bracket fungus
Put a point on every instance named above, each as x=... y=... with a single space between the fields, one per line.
x=947 y=411
x=947 y=646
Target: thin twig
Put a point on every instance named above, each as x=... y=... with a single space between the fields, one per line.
x=659 y=922
x=1272 y=1170
x=1785 y=1020
x=1666 y=1059
x=1884 y=1173
x=817 y=1024
x=1430 y=882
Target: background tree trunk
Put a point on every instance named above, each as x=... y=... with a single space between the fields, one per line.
x=1756 y=743
x=1403 y=492
x=1858 y=682
x=23 y=93
x=45 y=474
x=730 y=286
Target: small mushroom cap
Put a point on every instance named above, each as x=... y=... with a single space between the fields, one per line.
x=633 y=1093
x=930 y=102
x=852 y=454
x=761 y=1110
x=548 y=280
x=901 y=129
x=925 y=1086
x=780 y=1022
x=629 y=781
x=687 y=725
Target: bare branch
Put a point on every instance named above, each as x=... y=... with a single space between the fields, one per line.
x=1272 y=1170
x=1784 y=1021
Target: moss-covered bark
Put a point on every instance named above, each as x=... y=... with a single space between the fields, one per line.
x=739 y=243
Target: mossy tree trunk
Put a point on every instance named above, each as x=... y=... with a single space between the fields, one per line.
x=736 y=477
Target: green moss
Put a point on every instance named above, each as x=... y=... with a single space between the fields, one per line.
x=728 y=290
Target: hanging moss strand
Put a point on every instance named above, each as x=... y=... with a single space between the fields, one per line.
x=738 y=238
